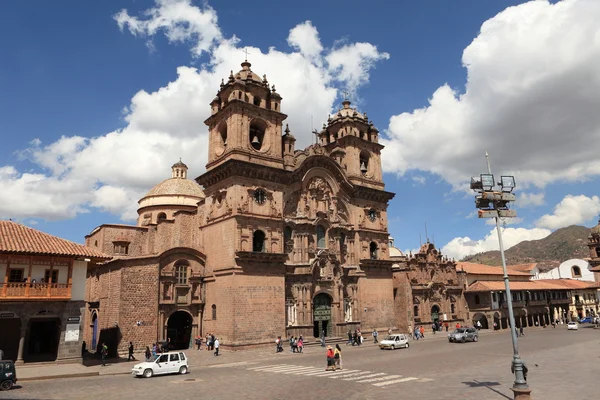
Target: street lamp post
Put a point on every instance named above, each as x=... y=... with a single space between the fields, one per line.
x=494 y=204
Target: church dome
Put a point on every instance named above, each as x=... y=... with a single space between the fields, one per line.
x=394 y=252
x=176 y=187
x=169 y=196
x=247 y=74
x=347 y=112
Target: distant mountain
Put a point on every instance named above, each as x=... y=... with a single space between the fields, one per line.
x=549 y=252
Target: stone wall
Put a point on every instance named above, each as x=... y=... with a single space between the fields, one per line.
x=377 y=298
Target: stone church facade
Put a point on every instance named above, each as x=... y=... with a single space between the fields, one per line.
x=269 y=241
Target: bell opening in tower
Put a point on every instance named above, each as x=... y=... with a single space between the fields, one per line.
x=257 y=134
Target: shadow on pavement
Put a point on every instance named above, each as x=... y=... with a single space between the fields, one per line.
x=475 y=384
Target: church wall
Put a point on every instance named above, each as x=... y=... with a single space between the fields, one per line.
x=107 y=234
x=139 y=302
x=402 y=301
x=219 y=242
x=376 y=293
x=258 y=305
x=219 y=294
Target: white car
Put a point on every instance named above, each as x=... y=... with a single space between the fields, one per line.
x=173 y=362
x=572 y=326
x=394 y=341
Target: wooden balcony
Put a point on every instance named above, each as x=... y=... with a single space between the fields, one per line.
x=36 y=291
x=533 y=303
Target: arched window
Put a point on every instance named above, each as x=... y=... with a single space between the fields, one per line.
x=575 y=272
x=452 y=308
x=373 y=250
x=477 y=300
x=257 y=134
x=223 y=132
x=214 y=312
x=287 y=235
x=161 y=217
x=364 y=162
x=320 y=237
x=181 y=271
x=416 y=311
x=257 y=101
x=258 y=241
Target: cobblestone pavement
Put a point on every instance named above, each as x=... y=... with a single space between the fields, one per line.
x=562 y=365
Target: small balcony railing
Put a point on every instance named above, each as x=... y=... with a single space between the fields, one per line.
x=35 y=291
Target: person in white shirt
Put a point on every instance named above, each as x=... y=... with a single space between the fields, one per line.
x=217 y=345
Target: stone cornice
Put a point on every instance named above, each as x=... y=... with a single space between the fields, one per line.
x=260 y=257
x=237 y=168
x=365 y=193
x=235 y=104
x=367 y=262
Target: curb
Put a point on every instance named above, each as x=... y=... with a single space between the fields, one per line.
x=41 y=378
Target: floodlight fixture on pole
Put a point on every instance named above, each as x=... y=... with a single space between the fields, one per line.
x=507 y=182
x=493 y=204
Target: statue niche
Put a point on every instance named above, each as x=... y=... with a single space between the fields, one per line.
x=326 y=267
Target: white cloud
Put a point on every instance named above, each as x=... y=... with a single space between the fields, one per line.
x=461 y=247
x=179 y=20
x=419 y=179
x=531 y=99
x=112 y=171
x=572 y=210
x=530 y=199
x=305 y=38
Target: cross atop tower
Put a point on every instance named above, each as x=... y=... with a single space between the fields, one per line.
x=246 y=52
x=345 y=94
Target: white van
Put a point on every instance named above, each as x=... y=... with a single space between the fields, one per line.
x=173 y=362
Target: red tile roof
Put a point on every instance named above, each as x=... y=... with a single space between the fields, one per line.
x=21 y=239
x=523 y=267
x=541 y=284
x=481 y=269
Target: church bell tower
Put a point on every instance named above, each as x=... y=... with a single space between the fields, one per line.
x=245 y=121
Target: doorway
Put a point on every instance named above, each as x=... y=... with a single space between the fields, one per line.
x=435 y=314
x=9 y=339
x=179 y=330
x=94 y=331
x=322 y=315
x=44 y=335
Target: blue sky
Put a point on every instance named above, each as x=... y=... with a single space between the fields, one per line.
x=96 y=105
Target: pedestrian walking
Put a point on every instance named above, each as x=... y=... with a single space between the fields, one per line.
x=375 y=335
x=349 y=337
x=521 y=331
x=104 y=353
x=330 y=359
x=217 y=345
x=130 y=357
x=337 y=355
x=433 y=328
x=422 y=332
x=446 y=325
x=417 y=333
x=292 y=344
x=323 y=338
x=148 y=354
x=300 y=344
x=198 y=343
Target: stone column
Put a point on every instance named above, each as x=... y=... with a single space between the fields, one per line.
x=21 y=343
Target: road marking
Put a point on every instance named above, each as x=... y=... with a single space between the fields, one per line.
x=396 y=381
x=362 y=377
x=231 y=364
x=270 y=367
x=347 y=375
x=299 y=370
x=325 y=373
x=384 y=378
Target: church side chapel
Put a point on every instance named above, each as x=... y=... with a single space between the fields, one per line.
x=269 y=241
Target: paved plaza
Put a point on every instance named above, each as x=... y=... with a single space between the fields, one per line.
x=561 y=365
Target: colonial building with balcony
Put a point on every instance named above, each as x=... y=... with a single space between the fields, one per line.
x=42 y=288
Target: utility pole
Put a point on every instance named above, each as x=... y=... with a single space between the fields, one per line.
x=494 y=204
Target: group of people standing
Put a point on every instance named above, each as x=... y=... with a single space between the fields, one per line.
x=212 y=343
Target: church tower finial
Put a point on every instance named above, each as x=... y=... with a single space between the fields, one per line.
x=179 y=170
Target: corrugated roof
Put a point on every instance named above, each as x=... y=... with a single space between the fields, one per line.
x=21 y=239
x=481 y=269
x=541 y=284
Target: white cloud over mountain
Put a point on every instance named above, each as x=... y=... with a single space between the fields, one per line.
x=111 y=172
x=531 y=100
x=572 y=210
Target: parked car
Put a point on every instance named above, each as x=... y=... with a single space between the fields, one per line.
x=586 y=320
x=8 y=374
x=395 y=341
x=463 y=334
x=173 y=362
x=572 y=326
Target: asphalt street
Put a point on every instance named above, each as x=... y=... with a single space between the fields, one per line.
x=562 y=365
